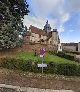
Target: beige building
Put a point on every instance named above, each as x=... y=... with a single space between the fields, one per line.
x=70 y=47
x=45 y=36
x=79 y=47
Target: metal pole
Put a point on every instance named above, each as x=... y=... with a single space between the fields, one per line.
x=42 y=63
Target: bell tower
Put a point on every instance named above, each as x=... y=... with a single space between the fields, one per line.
x=47 y=27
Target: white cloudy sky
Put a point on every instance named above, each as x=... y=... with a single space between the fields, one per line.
x=61 y=14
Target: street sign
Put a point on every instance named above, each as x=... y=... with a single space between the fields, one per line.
x=42 y=52
x=41 y=56
x=42 y=65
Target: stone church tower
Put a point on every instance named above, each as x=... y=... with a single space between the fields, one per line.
x=47 y=27
x=53 y=36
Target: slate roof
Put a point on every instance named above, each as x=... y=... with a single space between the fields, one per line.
x=70 y=44
x=37 y=31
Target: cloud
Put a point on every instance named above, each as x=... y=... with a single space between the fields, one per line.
x=38 y=22
x=64 y=18
x=61 y=29
x=72 y=5
x=32 y=20
x=44 y=7
x=48 y=6
x=58 y=12
x=71 y=31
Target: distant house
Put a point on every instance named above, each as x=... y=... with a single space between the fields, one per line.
x=44 y=36
x=71 y=47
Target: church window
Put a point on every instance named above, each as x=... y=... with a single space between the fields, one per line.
x=50 y=42
x=60 y=47
x=32 y=35
x=42 y=40
x=39 y=36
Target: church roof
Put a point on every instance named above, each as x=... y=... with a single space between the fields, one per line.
x=69 y=44
x=47 y=25
x=37 y=31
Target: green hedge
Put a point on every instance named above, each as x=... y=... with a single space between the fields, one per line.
x=12 y=63
x=76 y=52
x=68 y=69
x=66 y=56
x=63 y=55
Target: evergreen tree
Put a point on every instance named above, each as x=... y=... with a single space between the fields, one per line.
x=11 y=25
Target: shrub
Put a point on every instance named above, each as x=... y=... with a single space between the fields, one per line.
x=26 y=65
x=62 y=54
x=67 y=69
x=12 y=63
x=35 y=68
x=72 y=52
x=78 y=72
x=51 y=68
x=66 y=56
x=53 y=52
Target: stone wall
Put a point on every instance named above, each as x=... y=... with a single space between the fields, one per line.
x=78 y=47
x=28 y=47
x=69 y=48
x=55 y=39
x=10 y=88
x=36 y=37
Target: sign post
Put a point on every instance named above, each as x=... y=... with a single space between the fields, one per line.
x=42 y=63
x=42 y=53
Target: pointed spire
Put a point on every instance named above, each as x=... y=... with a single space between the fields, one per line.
x=47 y=27
x=47 y=22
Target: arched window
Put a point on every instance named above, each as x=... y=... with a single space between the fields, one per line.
x=42 y=40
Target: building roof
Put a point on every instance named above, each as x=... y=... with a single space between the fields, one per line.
x=69 y=44
x=47 y=27
x=37 y=31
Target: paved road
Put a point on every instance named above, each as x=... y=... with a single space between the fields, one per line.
x=10 y=88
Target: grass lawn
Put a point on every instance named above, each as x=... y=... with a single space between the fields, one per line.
x=47 y=57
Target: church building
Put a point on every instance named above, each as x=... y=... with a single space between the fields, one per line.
x=43 y=36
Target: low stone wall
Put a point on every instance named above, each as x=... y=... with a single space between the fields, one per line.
x=25 y=47
x=10 y=88
x=28 y=47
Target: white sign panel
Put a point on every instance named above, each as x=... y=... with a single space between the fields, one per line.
x=42 y=65
x=41 y=55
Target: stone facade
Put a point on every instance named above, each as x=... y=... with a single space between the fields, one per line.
x=79 y=47
x=59 y=48
x=74 y=47
x=70 y=47
x=45 y=36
